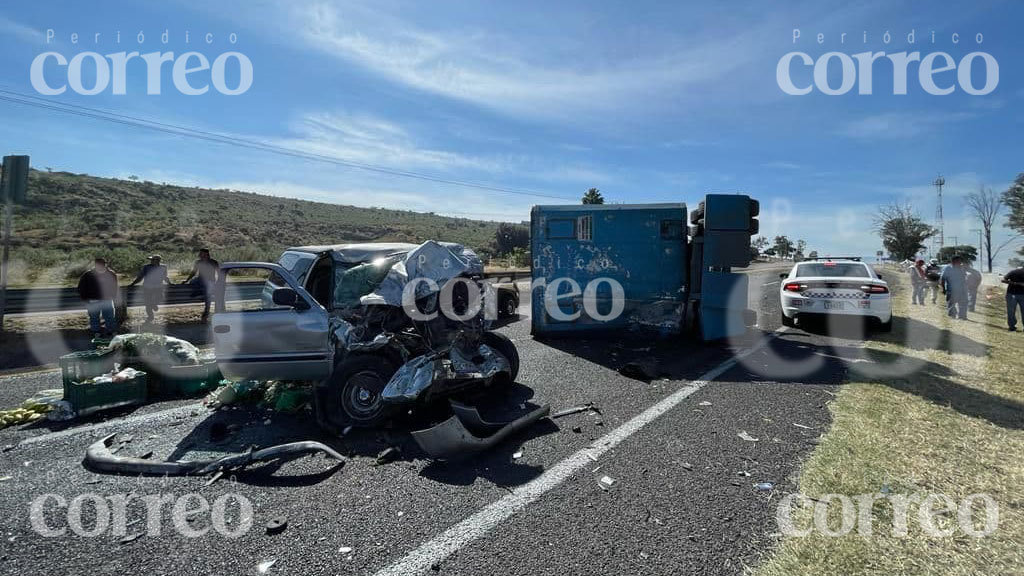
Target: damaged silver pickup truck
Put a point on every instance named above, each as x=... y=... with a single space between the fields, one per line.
x=378 y=327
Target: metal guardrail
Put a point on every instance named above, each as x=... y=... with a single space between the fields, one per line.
x=34 y=300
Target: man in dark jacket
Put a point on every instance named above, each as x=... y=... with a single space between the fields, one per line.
x=1014 y=281
x=98 y=289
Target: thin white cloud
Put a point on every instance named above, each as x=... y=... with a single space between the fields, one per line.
x=489 y=70
x=899 y=125
x=24 y=32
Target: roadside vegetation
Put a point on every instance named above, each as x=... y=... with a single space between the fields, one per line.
x=71 y=218
x=934 y=419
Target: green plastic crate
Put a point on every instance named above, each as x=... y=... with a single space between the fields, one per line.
x=185 y=381
x=79 y=366
x=89 y=398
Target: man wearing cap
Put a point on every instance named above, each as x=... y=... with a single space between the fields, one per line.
x=153 y=277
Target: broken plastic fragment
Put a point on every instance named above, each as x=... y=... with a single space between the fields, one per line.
x=264 y=566
x=345 y=550
x=744 y=436
x=606 y=482
x=764 y=486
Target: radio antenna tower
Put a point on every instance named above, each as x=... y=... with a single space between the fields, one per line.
x=937 y=246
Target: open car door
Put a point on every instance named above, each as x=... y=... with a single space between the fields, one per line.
x=267 y=327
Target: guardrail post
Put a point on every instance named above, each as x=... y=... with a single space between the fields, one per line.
x=8 y=218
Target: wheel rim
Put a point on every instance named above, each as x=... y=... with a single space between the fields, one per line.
x=510 y=307
x=362 y=395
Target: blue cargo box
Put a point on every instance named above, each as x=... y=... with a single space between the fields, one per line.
x=641 y=247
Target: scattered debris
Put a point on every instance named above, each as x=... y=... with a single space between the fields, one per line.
x=277 y=525
x=264 y=566
x=577 y=429
x=93 y=481
x=99 y=457
x=146 y=455
x=606 y=482
x=687 y=466
x=345 y=550
x=346 y=430
x=216 y=476
x=588 y=407
x=455 y=438
x=645 y=369
x=744 y=436
x=802 y=426
x=5 y=478
x=704 y=403
x=517 y=455
x=743 y=473
x=388 y=455
x=8 y=448
x=131 y=538
x=764 y=486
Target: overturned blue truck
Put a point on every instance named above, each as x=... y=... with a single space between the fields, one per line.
x=613 y=267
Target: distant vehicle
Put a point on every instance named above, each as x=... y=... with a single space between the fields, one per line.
x=835 y=287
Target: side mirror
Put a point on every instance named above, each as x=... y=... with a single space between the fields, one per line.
x=287 y=297
x=879 y=276
x=784 y=275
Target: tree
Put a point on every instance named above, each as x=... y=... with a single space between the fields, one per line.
x=593 y=196
x=967 y=252
x=783 y=246
x=508 y=237
x=986 y=205
x=813 y=254
x=1015 y=262
x=1013 y=198
x=801 y=246
x=902 y=230
x=759 y=242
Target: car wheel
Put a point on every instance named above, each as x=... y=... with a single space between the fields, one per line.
x=885 y=326
x=510 y=307
x=356 y=387
x=504 y=346
x=788 y=322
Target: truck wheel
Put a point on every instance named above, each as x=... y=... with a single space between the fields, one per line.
x=355 y=390
x=502 y=345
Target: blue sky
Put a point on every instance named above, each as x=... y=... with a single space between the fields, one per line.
x=648 y=101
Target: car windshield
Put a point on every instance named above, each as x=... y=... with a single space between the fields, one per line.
x=832 y=269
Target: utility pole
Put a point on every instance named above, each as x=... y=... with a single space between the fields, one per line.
x=939 y=183
x=13 y=188
x=980 y=245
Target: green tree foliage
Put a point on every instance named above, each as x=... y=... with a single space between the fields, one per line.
x=902 y=230
x=783 y=246
x=593 y=196
x=967 y=252
x=510 y=237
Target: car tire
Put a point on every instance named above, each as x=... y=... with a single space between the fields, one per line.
x=788 y=322
x=355 y=390
x=508 y=306
x=504 y=346
x=885 y=326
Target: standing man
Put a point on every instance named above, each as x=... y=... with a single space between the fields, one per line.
x=1014 y=281
x=973 y=284
x=153 y=277
x=954 y=284
x=98 y=289
x=918 y=282
x=203 y=277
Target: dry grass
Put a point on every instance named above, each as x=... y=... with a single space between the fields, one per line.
x=949 y=421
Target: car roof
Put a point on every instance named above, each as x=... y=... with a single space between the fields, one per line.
x=357 y=253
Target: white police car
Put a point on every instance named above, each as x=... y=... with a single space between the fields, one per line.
x=835 y=287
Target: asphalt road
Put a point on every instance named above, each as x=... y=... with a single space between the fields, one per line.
x=683 y=498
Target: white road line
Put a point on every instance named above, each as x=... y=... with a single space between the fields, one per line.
x=180 y=410
x=476 y=526
x=772 y=282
